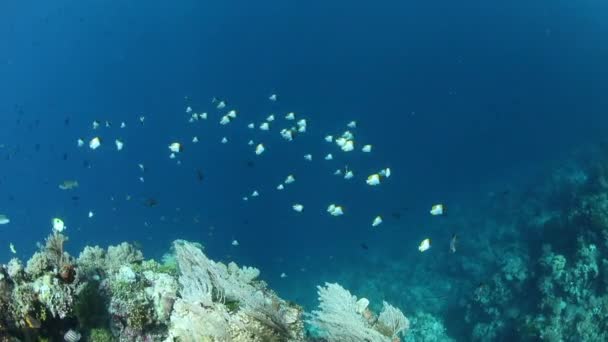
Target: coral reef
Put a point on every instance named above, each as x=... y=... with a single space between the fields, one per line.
x=343 y=317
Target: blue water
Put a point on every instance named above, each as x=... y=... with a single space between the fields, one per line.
x=458 y=98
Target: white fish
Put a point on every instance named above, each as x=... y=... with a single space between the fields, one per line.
x=348 y=135
x=264 y=126
x=175 y=147
x=251 y=125
x=141 y=179
x=437 y=210
x=329 y=138
x=80 y=142
x=172 y=155
x=298 y=207
x=235 y=243
x=287 y=134
x=12 y=248
x=123 y=125
x=58 y=225
x=141 y=167
x=4 y=219
x=203 y=116
x=280 y=187
x=377 y=221
x=188 y=109
x=273 y=97
x=259 y=149
x=385 y=173
x=225 y=120
x=301 y=126
x=95 y=124
x=335 y=210
x=91 y=214
x=221 y=105
x=340 y=142
x=352 y=124
x=231 y=114
x=195 y=140
x=224 y=140
x=348 y=146
x=108 y=124
x=308 y=157
x=424 y=245
x=255 y=193
x=290 y=116
x=338 y=172
x=283 y=275
x=250 y=143
x=270 y=118
x=94 y=143
x=290 y=179
x=373 y=179
x=142 y=119
x=366 y=148
x=119 y=145
x=245 y=198
x=329 y=157
x=348 y=175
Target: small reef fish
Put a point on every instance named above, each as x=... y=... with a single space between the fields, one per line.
x=12 y=248
x=58 y=225
x=424 y=245
x=335 y=210
x=94 y=143
x=235 y=243
x=377 y=221
x=352 y=124
x=119 y=145
x=4 y=219
x=298 y=207
x=273 y=97
x=68 y=185
x=259 y=149
x=453 y=243
x=437 y=209
x=308 y=157
x=32 y=322
x=290 y=116
x=290 y=179
x=175 y=147
x=366 y=148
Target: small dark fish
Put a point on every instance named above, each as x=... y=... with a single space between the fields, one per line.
x=364 y=246
x=66 y=121
x=65 y=156
x=150 y=202
x=86 y=164
x=250 y=163
x=75 y=198
x=200 y=175
x=453 y=243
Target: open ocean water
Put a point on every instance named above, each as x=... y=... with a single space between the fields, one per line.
x=470 y=104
